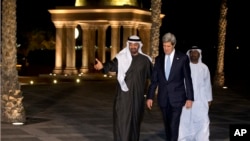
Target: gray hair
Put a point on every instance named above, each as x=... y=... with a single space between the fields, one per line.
x=169 y=37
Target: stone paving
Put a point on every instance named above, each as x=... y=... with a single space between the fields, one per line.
x=69 y=111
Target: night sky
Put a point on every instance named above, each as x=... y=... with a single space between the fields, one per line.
x=194 y=22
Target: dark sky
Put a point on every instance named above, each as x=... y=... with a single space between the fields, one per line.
x=194 y=22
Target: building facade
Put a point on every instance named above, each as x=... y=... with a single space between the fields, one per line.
x=122 y=17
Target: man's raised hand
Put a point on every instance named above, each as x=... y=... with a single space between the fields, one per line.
x=98 y=65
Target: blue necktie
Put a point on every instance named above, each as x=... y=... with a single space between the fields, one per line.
x=167 y=70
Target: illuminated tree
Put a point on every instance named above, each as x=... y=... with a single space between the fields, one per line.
x=155 y=29
x=219 y=78
x=12 y=109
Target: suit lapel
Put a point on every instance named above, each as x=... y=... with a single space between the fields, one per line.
x=173 y=66
x=162 y=63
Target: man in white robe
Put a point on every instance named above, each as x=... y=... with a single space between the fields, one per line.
x=194 y=123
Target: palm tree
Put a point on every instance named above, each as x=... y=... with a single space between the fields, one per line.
x=219 y=78
x=155 y=28
x=12 y=109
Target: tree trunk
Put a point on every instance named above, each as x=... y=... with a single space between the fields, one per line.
x=12 y=109
x=155 y=29
x=219 y=78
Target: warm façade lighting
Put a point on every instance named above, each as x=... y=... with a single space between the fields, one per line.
x=76 y=33
x=109 y=2
x=105 y=75
x=54 y=81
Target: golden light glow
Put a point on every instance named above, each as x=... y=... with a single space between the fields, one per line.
x=31 y=82
x=107 y=2
x=80 y=3
x=76 y=33
x=55 y=81
x=121 y=2
x=78 y=80
x=101 y=10
x=17 y=123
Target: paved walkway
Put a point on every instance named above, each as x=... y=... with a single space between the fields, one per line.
x=69 y=111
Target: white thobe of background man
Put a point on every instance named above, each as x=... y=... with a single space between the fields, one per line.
x=194 y=124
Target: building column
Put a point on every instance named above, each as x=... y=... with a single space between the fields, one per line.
x=144 y=33
x=85 y=45
x=59 y=48
x=70 y=49
x=135 y=29
x=115 y=40
x=102 y=43
x=127 y=31
x=92 y=47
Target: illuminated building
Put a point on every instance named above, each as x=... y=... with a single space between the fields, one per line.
x=123 y=17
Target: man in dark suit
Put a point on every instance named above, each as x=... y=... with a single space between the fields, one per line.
x=172 y=75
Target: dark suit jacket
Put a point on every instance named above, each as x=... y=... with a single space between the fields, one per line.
x=173 y=90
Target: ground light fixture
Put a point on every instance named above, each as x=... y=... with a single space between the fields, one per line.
x=17 y=123
x=77 y=80
x=31 y=82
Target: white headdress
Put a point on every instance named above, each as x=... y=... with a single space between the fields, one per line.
x=124 y=60
x=195 y=48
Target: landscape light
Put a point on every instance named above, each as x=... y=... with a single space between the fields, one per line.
x=31 y=82
x=77 y=80
x=17 y=123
